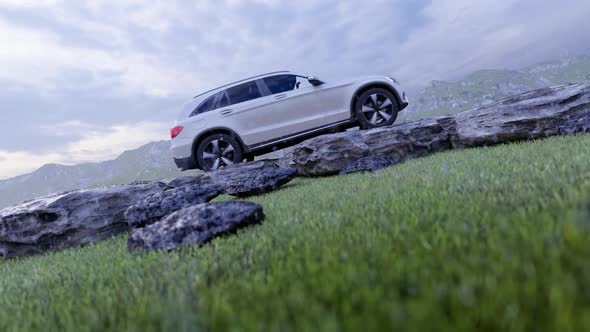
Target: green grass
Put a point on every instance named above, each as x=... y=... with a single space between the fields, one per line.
x=491 y=239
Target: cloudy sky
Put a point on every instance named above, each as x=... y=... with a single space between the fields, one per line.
x=85 y=80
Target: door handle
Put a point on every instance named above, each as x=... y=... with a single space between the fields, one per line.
x=226 y=112
x=279 y=97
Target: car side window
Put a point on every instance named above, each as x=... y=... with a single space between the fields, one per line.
x=243 y=92
x=223 y=101
x=280 y=83
x=204 y=106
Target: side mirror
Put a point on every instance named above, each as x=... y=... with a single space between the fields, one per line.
x=314 y=81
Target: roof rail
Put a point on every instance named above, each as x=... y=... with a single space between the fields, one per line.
x=242 y=80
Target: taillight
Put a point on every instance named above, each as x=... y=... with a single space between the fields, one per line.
x=176 y=131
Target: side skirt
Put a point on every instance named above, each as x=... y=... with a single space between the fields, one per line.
x=287 y=141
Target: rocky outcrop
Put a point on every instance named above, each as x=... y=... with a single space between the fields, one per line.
x=330 y=154
x=241 y=180
x=561 y=110
x=161 y=204
x=196 y=225
x=367 y=164
x=255 y=178
x=68 y=220
x=81 y=217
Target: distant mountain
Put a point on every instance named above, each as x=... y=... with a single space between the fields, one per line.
x=149 y=162
x=486 y=86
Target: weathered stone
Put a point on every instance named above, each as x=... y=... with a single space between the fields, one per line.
x=329 y=154
x=561 y=110
x=68 y=220
x=81 y=217
x=196 y=225
x=255 y=178
x=183 y=181
x=367 y=164
x=161 y=204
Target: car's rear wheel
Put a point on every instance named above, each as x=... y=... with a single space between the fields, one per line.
x=217 y=151
x=376 y=108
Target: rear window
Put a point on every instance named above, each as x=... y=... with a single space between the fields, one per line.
x=204 y=106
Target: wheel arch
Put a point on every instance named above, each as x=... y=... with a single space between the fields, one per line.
x=369 y=86
x=216 y=130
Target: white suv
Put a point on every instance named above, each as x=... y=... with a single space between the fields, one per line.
x=261 y=114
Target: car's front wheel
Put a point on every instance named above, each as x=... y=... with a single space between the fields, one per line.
x=376 y=108
x=217 y=151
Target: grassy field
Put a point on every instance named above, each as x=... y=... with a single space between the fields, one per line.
x=493 y=239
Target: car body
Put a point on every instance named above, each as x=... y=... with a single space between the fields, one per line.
x=276 y=110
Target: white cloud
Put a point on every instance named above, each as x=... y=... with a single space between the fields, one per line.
x=96 y=144
x=102 y=145
x=37 y=58
x=13 y=163
x=464 y=35
x=235 y=38
x=30 y=3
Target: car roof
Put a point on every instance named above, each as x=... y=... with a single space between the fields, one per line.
x=242 y=81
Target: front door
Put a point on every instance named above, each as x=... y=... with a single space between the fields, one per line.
x=295 y=106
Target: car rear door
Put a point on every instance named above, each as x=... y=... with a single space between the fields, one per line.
x=240 y=109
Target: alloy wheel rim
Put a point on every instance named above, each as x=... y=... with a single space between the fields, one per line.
x=377 y=109
x=218 y=153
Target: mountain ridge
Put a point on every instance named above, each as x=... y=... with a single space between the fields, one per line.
x=154 y=158
x=488 y=85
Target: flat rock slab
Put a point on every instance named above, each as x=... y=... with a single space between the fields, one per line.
x=367 y=164
x=330 y=154
x=185 y=181
x=255 y=178
x=68 y=220
x=159 y=205
x=561 y=110
x=196 y=225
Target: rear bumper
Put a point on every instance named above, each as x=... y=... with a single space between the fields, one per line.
x=185 y=163
x=181 y=149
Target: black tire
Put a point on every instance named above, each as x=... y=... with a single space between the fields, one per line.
x=370 y=115
x=229 y=152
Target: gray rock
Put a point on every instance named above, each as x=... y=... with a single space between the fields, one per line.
x=196 y=225
x=561 y=110
x=68 y=220
x=254 y=178
x=184 y=181
x=161 y=204
x=329 y=154
x=81 y=217
x=367 y=164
